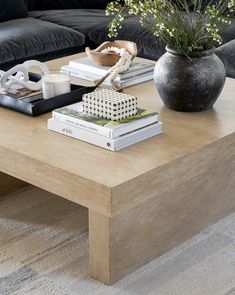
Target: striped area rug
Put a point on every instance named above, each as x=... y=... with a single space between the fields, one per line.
x=44 y=251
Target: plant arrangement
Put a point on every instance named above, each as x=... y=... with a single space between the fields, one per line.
x=183 y=25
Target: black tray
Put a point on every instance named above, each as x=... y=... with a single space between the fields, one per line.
x=42 y=106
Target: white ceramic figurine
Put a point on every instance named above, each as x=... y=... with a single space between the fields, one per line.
x=21 y=77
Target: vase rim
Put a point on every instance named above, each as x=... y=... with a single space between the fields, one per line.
x=192 y=54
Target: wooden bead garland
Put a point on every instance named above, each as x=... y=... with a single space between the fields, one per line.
x=123 y=64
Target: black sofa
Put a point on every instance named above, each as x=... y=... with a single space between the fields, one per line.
x=49 y=29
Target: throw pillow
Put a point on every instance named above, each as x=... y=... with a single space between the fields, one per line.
x=11 y=9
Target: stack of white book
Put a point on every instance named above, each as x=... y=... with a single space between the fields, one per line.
x=141 y=70
x=73 y=122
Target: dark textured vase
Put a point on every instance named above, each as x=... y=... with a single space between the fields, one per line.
x=189 y=85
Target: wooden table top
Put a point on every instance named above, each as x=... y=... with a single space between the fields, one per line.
x=183 y=134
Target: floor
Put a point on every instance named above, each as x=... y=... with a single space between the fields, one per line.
x=44 y=250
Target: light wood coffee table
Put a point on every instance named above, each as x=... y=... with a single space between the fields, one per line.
x=142 y=200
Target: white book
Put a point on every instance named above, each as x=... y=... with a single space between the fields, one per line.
x=137 y=67
x=86 y=75
x=137 y=80
x=119 y=83
x=74 y=116
x=104 y=142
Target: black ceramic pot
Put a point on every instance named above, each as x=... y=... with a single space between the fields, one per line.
x=189 y=85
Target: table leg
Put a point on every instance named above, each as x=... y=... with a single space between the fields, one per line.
x=9 y=184
x=99 y=256
x=122 y=243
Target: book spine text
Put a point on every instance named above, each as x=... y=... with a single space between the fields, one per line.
x=82 y=124
x=81 y=134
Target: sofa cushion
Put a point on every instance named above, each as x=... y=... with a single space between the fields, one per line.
x=229 y=32
x=12 y=9
x=93 y=24
x=28 y=38
x=81 y=20
x=226 y=53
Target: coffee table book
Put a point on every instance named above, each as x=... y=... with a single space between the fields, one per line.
x=141 y=70
x=119 y=81
x=102 y=141
x=74 y=116
x=138 y=66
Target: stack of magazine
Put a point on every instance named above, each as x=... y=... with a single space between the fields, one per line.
x=111 y=135
x=141 y=70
